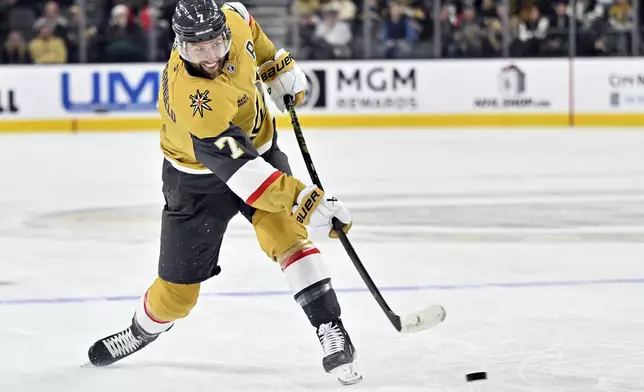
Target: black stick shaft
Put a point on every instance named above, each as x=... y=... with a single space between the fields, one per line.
x=337 y=225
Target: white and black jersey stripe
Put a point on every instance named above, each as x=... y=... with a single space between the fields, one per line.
x=240 y=166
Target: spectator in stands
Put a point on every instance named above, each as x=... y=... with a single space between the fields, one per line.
x=621 y=26
x=558 y=30
x=46 y=48
x=533 y=32
x=448 y=22
x=52 y=17
x=492 y=25
x=417 y=12
x=14 y=50
x=332 y=35
x=152 y=23
x=588 y=15
x=302 y=7
x=346 y=10
x=124 y=39
x=621 y=16
x=560 y=20
x=469 y=34
x=398 y=33
x=586 y=12
x=488 y=10
x=493 y=42
x=73 y=35
x=306 y=34
x=18 y=15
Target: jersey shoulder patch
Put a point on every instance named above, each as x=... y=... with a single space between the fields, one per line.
x=208 y=109
x=200 y=102
x=240 y=9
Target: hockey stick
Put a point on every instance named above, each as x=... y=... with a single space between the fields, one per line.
x=414 y=322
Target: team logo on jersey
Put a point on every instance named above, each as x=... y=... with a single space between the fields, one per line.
x=230 y=68
x=200 y=102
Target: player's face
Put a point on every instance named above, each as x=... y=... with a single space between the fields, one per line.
x=208 y=54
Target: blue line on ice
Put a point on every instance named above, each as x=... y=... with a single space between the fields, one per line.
x=268 y=293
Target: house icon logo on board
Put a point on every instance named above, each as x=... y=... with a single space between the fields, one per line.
x=512 y=80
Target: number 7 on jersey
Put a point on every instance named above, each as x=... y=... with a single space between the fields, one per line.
x=235 y=150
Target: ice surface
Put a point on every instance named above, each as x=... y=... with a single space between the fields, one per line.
x=531 y=239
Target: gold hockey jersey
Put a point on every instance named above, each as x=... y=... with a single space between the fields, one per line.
x=220 y=127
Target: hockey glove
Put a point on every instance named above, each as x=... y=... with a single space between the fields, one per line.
x=315 y=210
x=283 y=77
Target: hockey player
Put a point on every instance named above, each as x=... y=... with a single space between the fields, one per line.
x=221 y=158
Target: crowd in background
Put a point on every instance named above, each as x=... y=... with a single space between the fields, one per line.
x=468 y=28
x=50 y=32
x=40 y=31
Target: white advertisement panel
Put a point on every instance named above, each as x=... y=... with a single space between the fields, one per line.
x=438 y=86
x=376 y=87
x=497 y=86
x=76 y=91
x=123 y=90
x=362 y=87
x=609 y=85
x=28 y=93
x=351 y=87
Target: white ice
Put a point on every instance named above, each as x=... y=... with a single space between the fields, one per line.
x=532 y=239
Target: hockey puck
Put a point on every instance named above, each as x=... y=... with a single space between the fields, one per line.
x=476 y=376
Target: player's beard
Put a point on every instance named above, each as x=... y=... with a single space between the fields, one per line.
x=212 y=69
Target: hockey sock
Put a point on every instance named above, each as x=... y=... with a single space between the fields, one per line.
x=319 y=302
x=165 y=302
x=147 y=321
x=310 y=283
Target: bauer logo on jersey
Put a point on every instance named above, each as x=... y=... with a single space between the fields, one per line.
x=200 y=102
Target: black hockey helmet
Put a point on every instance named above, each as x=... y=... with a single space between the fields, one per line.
x=196 y=22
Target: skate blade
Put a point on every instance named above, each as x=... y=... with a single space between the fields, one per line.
x=347 y=374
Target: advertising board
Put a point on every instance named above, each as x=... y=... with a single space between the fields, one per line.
x=372 y=94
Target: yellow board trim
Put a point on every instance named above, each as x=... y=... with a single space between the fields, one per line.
x=609 y=120
x=426 y=120
x=29 y=126
x=345 y=121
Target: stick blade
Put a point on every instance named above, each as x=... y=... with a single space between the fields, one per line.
x=423 y=319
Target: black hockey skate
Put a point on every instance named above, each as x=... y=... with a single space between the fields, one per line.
x=339 y=353
x=120 y=345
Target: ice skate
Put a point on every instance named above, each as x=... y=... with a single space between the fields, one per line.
x=339 y=353
x=120 y=345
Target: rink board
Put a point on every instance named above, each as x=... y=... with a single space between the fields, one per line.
x=386 y=94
